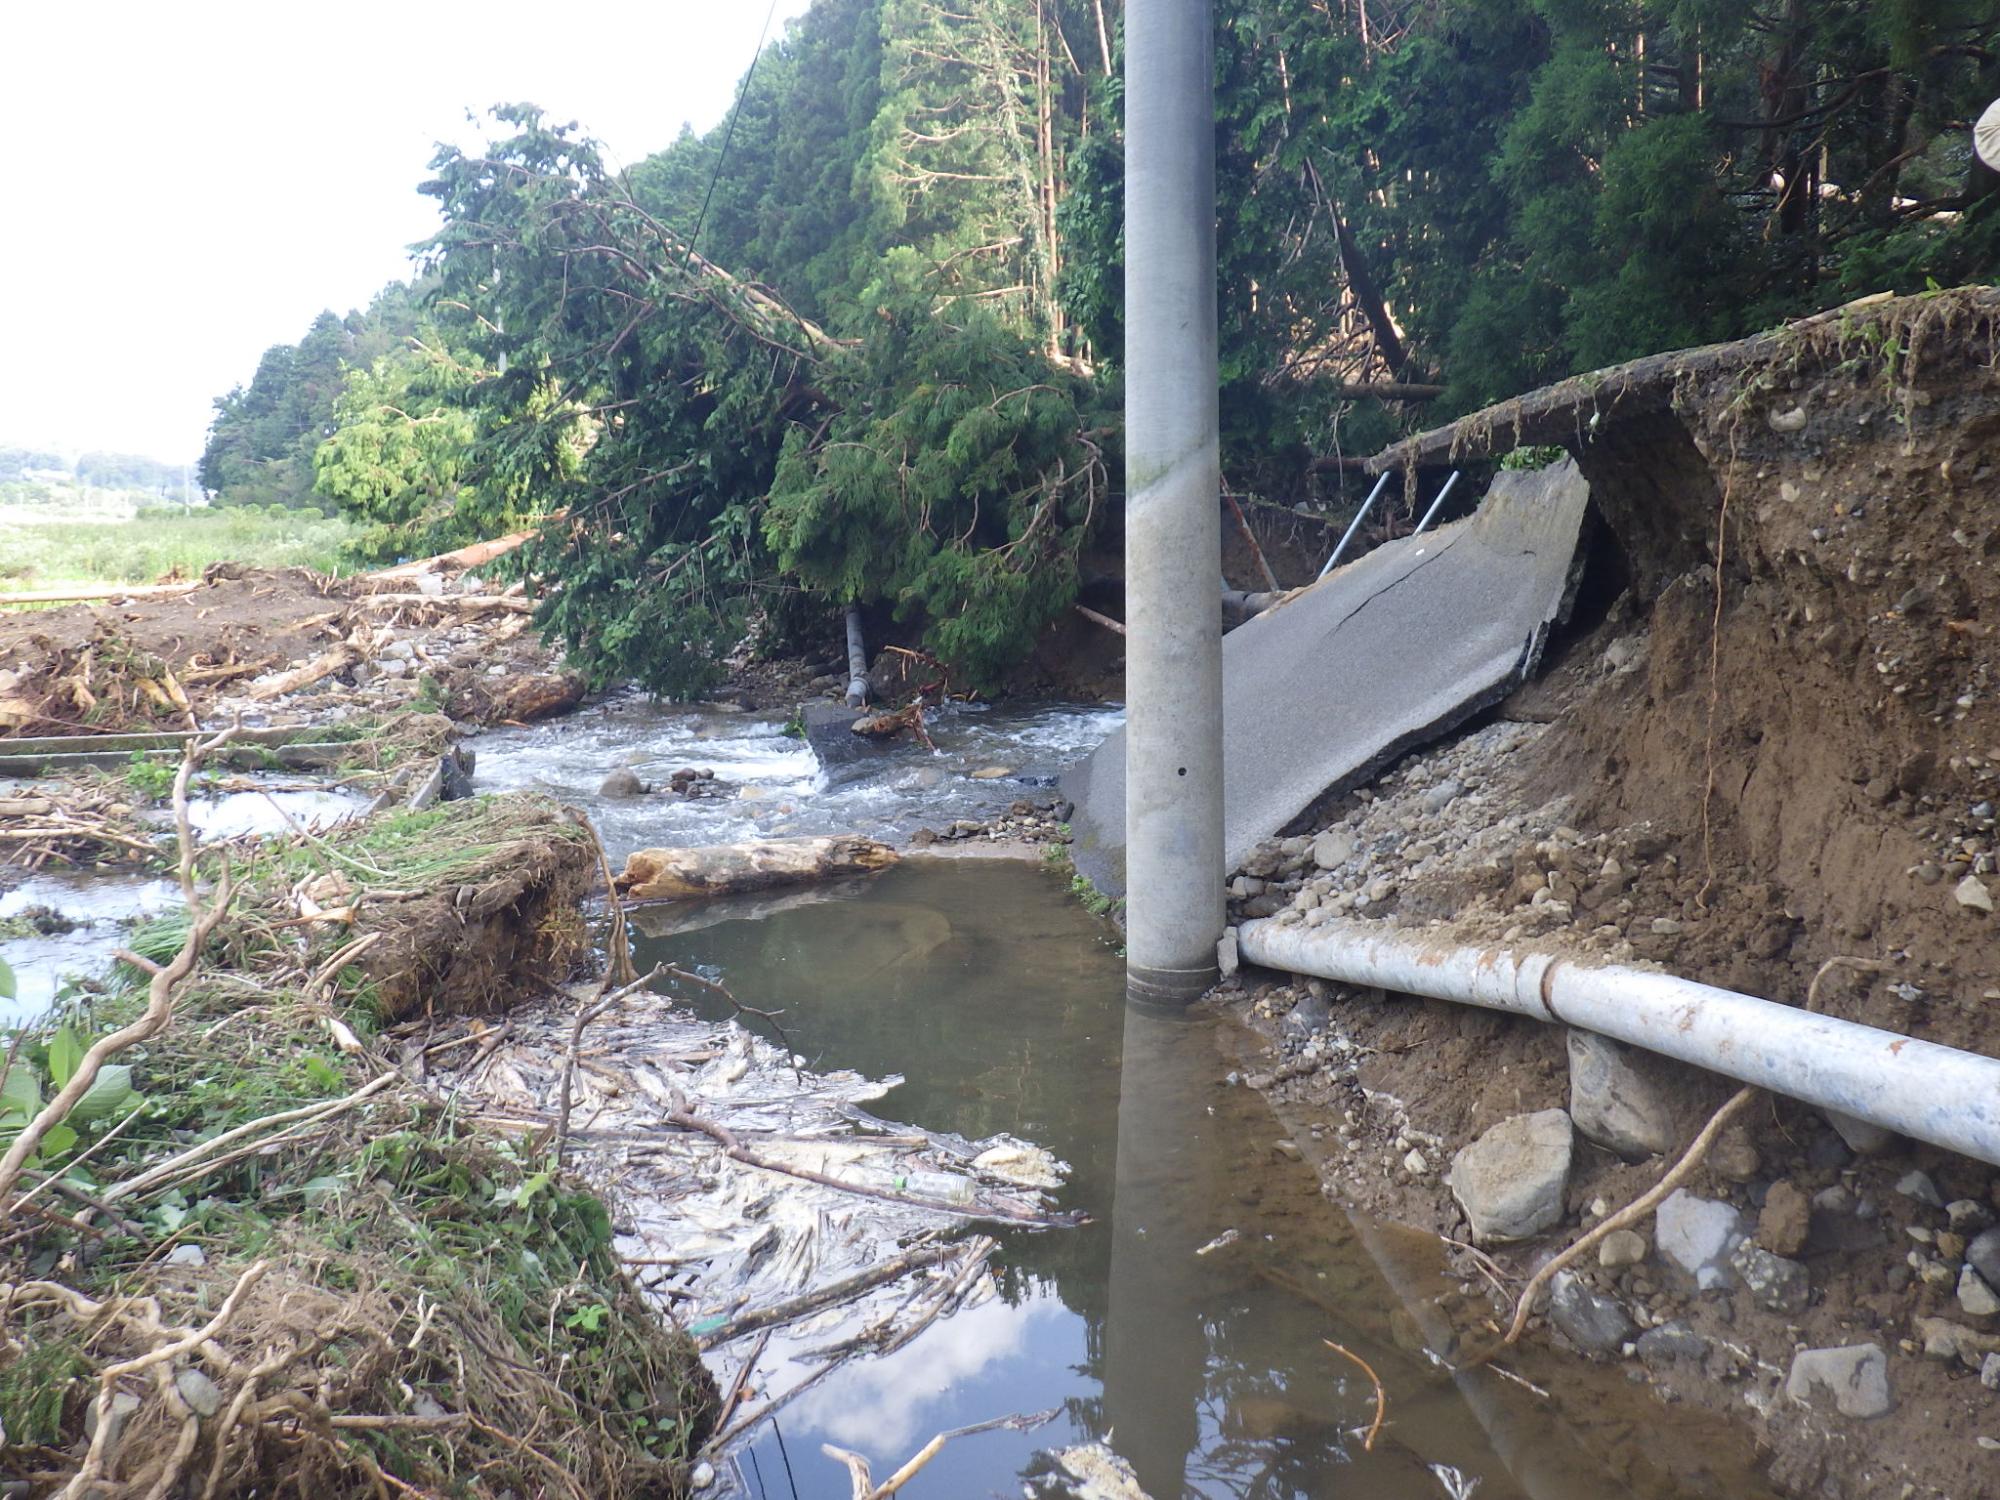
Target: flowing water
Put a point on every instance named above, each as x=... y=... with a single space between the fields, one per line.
x=1187 y=1322
x=1001 y=1003
x=772 y=785
x=61 y=926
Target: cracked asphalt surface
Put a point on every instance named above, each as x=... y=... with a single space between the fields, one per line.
x=1383 y=655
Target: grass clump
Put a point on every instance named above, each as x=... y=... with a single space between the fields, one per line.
x=413 y=1305
x=53 y=553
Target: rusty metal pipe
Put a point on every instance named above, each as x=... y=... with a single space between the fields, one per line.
x=1916 y=1088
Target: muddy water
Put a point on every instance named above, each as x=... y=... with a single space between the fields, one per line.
x=1000 y=1002
x=770 y=783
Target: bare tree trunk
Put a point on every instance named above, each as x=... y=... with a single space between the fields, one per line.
x=1361 y=282
x=1103 y=38
x=757 y=865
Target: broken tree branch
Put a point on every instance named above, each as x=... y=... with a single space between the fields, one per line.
x=832 y=1295
x=1637 y=1209
x=160 y=991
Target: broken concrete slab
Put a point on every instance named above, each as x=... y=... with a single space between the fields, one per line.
x=1383 y=655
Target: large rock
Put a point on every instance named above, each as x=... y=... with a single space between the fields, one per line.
x=1863 y=1138
x=1855 y=1378
x=1697 y=1234
x=1510 y=1181
x=1617 y=1097
x=1670 y=1343
x=1983 y=1255
x=1975 y=1295
x=1595 y=1323
x=1333 y=848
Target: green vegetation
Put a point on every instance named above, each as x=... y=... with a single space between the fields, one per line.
x=416 y=1263
x=886 y=374
x=150 y=778
x=1081 y=886
x=72 y=551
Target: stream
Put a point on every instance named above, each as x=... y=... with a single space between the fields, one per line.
x=1187 y=1324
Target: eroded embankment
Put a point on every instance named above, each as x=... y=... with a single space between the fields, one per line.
x=270 y=1259
x=1780 y=748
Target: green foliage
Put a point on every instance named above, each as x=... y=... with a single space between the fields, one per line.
x=262 y=441
x=398 y=456
x=1538 y=187
x=952 y=480
x=150 y=778
x=78 y=550
x=712 y=449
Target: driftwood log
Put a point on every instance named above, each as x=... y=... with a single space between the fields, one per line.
x=756 y=865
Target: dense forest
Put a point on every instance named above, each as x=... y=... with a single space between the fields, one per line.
x=860 y=342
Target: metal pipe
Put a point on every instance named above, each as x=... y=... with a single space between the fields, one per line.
x=1173 y=521
x=1430 y=514
x=1916 y=1088
x=1355 y=524
x=857 y=659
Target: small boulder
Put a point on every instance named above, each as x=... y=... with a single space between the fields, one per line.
x=1510 y=1181
x=1776 y=1283
x=1975 y=1297
x=1862 y=1137
x=1697 y=1234
x=622 y=782
x=1621 y=1248
x=1983 y=1255
x=1333 y=848
x=1971 y=893
x=1945 y=1340
x=1593 y=1322
x=1227 y=958
x=1616 y=1097
x=1671 y=1342
x=1785 y=1221
x=1855 y=1377
x=1918 y=1185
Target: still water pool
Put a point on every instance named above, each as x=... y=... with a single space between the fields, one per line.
x=1001 y=1004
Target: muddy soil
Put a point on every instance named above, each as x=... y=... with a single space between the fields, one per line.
x=1740 y=773
x=274 y=646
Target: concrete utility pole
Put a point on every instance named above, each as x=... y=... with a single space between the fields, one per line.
x=1173 y=515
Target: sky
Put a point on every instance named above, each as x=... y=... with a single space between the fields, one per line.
x=194 y=182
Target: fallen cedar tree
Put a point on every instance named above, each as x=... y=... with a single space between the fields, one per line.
x=754 y=865
x=272 y=1261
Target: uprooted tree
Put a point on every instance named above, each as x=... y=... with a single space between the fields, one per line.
x=715 y=451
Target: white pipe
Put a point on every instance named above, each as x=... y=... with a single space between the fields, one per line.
x=1173 y=518
x=1354 y=525
x=1916 y=1088
x=1431 y=514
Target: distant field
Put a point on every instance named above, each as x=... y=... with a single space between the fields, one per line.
x=101 y=547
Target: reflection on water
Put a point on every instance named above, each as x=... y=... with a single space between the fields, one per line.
x=773 y=782
x=1001 y=1003
x=100 y=905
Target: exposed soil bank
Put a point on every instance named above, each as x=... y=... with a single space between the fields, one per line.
x=279 y=1260
x=1739 y=773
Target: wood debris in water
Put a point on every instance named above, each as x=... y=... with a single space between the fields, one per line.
x=753 y=1197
